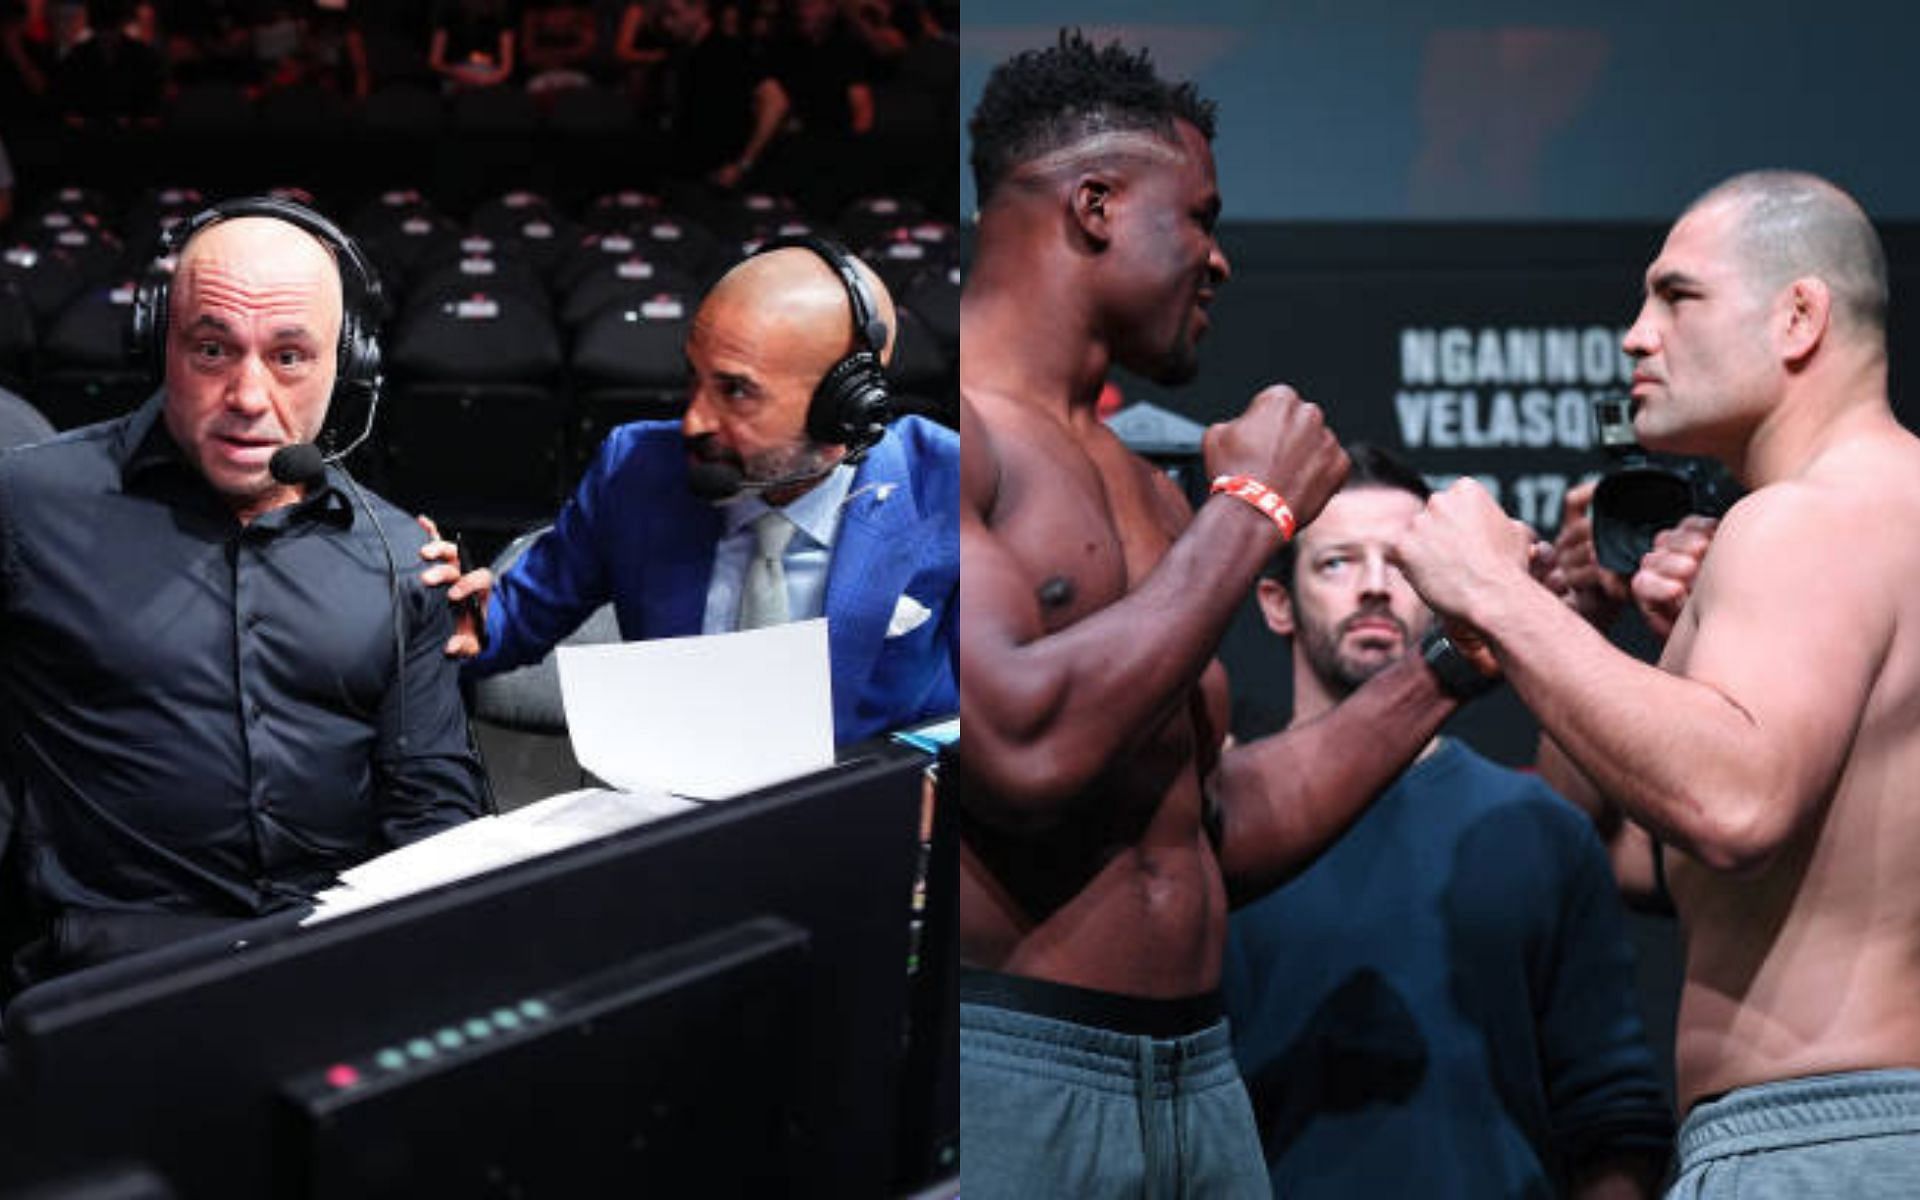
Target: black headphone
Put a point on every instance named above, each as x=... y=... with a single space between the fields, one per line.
x=357 y=371
x=851 y=404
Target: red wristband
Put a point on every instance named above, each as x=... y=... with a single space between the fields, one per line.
x=1262 y=497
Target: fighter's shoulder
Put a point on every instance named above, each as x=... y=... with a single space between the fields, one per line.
x=1825 y=502
x=982 y=416
x=985 y=421
x=1773 y=518
x=1820 y=529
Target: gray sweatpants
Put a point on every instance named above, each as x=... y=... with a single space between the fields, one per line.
x=1051 y=1107
x=1854 y=1135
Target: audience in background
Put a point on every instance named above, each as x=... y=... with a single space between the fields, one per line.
x=638 y=50
x=775 y=95
x=209 y=42
x=26 y=55
x=275 y=33
x=825 y=68
x=110 y=76
x=334 y=52
x=6 y=186
x=472 y=45
x=558 y=40
x=724 y=108
x=878 y=26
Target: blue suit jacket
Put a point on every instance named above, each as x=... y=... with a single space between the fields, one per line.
x=632 y=533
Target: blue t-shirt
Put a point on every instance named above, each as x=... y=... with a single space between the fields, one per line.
x=1443 y=1005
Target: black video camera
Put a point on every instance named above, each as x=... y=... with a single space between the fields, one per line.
x=1646 y=492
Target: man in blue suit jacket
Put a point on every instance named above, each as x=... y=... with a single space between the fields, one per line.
x=876 y=548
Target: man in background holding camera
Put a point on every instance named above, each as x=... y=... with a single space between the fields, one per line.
x=1770 y=751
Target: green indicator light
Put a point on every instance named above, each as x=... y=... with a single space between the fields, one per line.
x=535 y=1010
x=421 y=1048
x=477 y=1029
x=506 y=1018
x=449 y=1038
x=390 y=1060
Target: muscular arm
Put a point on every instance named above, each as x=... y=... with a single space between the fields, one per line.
x=1659 y=588
x=1285 y=798
x=1734 y=745
x=1629 y=847
x=1044 y=713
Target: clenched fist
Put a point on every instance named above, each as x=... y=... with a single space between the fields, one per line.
x=1282 y=441
x=1668 y=571
x=1463 y=547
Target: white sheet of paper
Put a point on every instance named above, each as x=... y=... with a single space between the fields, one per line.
x=480 y=845
x=706 y=717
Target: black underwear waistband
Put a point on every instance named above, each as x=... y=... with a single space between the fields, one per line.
x=1139 y=1016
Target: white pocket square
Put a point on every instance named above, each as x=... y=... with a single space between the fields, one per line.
x=908 y=615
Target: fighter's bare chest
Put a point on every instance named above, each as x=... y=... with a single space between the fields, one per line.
x=1085 y=531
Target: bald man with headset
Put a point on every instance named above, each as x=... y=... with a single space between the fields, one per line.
x=785 y=493
x=218 y=689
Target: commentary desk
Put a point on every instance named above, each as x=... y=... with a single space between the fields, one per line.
x=711 y=1004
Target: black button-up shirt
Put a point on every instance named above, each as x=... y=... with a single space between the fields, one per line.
x=204 y=718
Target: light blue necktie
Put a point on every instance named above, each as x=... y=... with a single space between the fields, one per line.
x=763 y=599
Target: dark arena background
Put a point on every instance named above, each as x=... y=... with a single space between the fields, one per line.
x=543 y=240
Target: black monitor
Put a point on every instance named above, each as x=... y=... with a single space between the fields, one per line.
x=713 y=1004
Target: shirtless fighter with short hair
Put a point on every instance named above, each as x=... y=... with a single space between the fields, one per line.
x=1773 y=752
x=1104 y=829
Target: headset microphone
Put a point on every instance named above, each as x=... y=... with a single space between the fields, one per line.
x=357 y=375
x=298 y=465
x=302 y=464
x=717 y=482
x=851 y=404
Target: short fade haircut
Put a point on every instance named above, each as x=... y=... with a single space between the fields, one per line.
x=1793 y=224
x=1373 y=467
x=1039 y=101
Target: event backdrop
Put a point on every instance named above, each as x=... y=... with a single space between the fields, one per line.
x=1470 y=350
x=1372 y=110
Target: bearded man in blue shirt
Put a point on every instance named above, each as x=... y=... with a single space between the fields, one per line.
x=1442 y=1004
